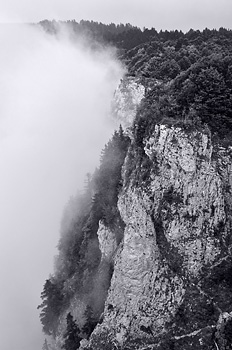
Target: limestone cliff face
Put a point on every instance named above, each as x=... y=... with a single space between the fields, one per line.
x=127 y=98
x=172 y=281
x=107 y=242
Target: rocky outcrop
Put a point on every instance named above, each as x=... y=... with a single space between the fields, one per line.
x=107 y=242
x=172 y=281
x=126 y=100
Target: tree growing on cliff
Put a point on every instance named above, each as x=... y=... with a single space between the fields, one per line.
x=72 y=334
x=90 y=323
x=107 y=179
x=45 y=345
x=51 y=306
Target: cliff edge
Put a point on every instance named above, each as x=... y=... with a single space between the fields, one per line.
x=172 y=281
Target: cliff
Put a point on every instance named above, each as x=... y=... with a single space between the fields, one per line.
x=127 y=98
x=166 y=283
x=172 y=285
x=145 y=262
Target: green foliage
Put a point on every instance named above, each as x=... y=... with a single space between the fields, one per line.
x=72 y=334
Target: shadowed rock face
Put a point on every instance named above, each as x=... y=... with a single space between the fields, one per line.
x=172 y=281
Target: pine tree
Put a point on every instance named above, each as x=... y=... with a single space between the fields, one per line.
x=90 y=323
x=108 y=178
x=51 y=306
x=72 y=334
x=45 y=345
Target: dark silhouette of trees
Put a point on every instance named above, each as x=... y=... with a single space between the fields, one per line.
x=91 y=321
x=51 y=306
x=127 y=37
x=107 y=178
x=72 y=335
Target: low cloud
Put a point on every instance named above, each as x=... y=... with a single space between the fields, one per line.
x=54 y=120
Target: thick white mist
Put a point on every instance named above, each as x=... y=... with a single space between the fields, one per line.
x=54 y=103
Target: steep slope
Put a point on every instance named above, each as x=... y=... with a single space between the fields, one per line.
x=172 y=284
x=145 y=262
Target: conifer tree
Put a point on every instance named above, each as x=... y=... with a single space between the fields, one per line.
x=51 y=306
x=45 y=345
x=90 y=321
x=72 y=334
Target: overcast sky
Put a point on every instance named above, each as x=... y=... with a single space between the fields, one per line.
x=54 y=121
x=161 y=14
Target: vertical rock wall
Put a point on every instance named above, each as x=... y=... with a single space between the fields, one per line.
x=172 y=281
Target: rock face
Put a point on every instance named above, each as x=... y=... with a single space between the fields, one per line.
x=107 y=242
x=127 y=98
x=172 y=282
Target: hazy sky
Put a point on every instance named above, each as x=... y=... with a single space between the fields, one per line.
x=161 y=14
x=55 y=100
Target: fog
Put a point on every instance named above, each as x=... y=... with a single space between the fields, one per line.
x=54 y=119
x=161 y=14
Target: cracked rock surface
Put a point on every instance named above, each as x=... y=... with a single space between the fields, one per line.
x=172 y=282
x=127 y=98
